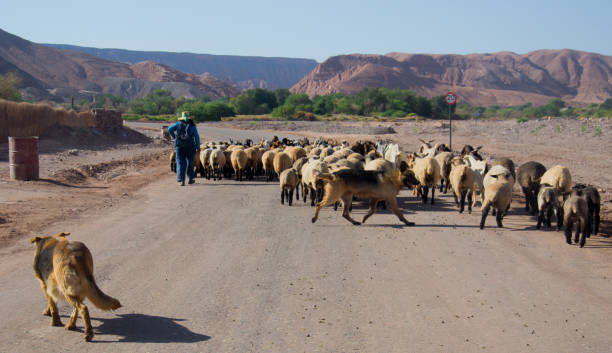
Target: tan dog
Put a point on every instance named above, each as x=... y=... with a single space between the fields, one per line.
x=66 y=267
x=373 y=185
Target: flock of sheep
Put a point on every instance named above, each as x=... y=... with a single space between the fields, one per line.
x=335 y=173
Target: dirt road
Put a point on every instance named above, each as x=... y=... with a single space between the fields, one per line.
x=223 y=267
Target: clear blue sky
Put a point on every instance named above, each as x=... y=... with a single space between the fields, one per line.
x=316 y=29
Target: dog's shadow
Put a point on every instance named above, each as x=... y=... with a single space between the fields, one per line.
x=145 y=329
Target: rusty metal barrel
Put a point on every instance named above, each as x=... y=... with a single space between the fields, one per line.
x=23 y=158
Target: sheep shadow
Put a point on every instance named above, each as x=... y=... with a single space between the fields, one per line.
x=140 y=328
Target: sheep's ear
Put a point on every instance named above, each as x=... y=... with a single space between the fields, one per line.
x=35 y=240
x=477 y=148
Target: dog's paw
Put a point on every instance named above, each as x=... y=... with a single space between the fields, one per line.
x=88 y=336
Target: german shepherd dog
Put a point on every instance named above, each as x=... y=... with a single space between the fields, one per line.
x=373 y=185
x=66 y=267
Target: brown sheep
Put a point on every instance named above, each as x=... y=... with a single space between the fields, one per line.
x=267 y=159
x=239 y=162
x=462 y=179
x=288 y=182
x=281 y=162
x=575 y=209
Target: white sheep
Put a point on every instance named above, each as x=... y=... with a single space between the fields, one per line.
x=497 y=185
x=462 y=180
x=310 y=171
x=217 y=162
x=559 y=178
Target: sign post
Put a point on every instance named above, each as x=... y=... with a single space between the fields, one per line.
x=450 y=98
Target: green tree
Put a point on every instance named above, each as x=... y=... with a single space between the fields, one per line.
x=157 y=102
x=254 y=101
x=281 y=94
x=8 y=87
x=607 y=105
x=423 y=107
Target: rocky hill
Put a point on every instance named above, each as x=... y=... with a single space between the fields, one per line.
x=242 y=71
x=483 y=79
x=50 y=73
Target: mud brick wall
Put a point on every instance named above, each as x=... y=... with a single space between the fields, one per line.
x=107 y=119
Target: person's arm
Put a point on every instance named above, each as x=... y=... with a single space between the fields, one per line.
x=172 y=129
x=197 y=136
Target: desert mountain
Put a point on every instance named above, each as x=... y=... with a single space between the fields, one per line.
x=243 y=71
x=63 y=73
x=482 y=79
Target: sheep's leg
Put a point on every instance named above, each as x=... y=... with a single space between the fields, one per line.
x=559 y=217
x=584 y=229
x=282 y=196
x=433 y=191
x=549 y=215
x=290 y=197
x=527 y=198
x=469 y=195
x=424 y=192
x=596 y=220
x=498 y=218
x=336 y=205
x=569 y=225
x=392 y=203
x=485 y=212
x=304 y=192
x=578 y=226
x=540 y=218
x=456 y=199
x=347 y=198
x=371 y=210
x=462 y=205
x=441 y=185
x=297 y=191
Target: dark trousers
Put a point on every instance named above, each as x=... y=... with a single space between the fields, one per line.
x=184 y=163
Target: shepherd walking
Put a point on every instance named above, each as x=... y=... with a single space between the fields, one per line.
x=186 y=142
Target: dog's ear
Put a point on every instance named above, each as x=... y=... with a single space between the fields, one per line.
x=62 y=234
x=35 y=240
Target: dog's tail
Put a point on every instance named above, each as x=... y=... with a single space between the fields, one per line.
x=98 y=298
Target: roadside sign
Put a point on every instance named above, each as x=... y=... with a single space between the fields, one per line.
x=450 y=98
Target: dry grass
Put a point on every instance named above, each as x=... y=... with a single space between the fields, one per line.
x=25 y=119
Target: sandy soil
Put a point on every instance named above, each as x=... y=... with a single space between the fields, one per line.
x=240 y=273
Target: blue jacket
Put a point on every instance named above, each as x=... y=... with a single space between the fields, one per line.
x=191 y=131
